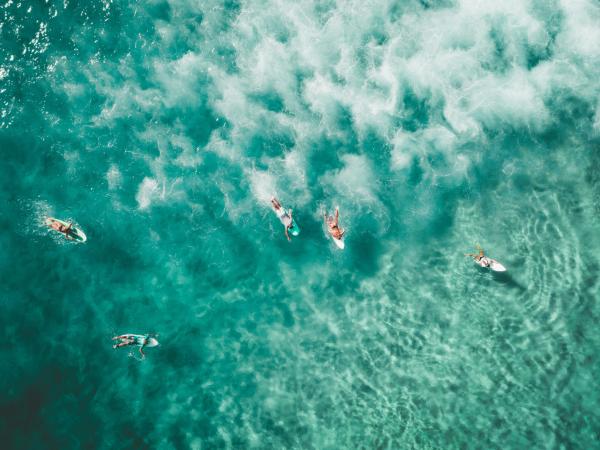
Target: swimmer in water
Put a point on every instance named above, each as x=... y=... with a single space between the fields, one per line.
x=332 y=225
x=480 y=258
x=284 y=216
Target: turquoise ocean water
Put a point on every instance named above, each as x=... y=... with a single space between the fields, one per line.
x=162 y=128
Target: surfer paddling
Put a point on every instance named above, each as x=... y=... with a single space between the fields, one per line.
x=480 y=258
x=332 y=225
x=61 y=228
x=67 y=229
x=126 y=340
x=284 y=216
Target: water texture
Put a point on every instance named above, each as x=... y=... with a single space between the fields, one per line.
x=162 y=128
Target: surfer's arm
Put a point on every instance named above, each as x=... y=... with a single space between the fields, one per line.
x=68 y=231
x=142 y=352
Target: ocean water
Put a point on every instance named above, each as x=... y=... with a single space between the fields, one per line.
x=162 y=128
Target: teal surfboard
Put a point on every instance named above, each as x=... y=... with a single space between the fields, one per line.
x=294 y=229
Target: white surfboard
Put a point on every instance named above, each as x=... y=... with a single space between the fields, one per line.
x=493 y=264
x=75 y=234
x=339 y=242
x=152 y=342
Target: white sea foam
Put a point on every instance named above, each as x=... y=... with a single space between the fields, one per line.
x=147 y=191
x=597 y=118
x=295 y=164
x=512 y=101
x=403 y=150
x=581 y=33
x=114 y=177
x=189 y=155
x=466 y=66
x=355 y=181
x=263 y=185
x=178 y=79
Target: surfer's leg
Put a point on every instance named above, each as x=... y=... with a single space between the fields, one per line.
x=125 y=343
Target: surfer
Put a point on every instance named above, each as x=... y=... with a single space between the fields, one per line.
x=65 y=229
x=480 y=258
x=284 y=216
x=129 y=339
x=332 y=225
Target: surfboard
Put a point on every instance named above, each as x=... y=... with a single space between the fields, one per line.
x=152 y=342
x=139 y=340
x=294 y=229
x=494 y=265
x=75 y=234
x=339 y=242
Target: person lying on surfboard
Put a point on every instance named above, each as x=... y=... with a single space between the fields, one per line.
x=128 y=339
x=284 y=216
x=66 y=230
x=332 y=225
x=480 y=257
